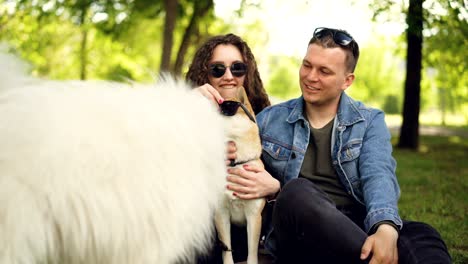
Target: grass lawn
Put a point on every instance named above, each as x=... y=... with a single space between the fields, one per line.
x=434 y=188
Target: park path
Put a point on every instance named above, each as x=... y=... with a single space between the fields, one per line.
x=434 y=131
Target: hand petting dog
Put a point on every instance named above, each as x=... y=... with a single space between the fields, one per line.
x=253 y=182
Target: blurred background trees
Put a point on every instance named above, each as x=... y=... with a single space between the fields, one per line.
x=124 y=40
x=104 y=39
x=435 y=32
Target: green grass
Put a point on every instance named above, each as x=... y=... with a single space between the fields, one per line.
x=434 y=188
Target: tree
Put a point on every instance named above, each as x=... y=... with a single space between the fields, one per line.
x=82 y=8
x=78 y=15
x=445 y=57
x=170 y=6
x=106 y=39
x=409 y=131
x=200 y=10
x=443 y=27
x=176 y=13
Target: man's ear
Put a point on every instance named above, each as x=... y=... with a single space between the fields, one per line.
x=349 y=79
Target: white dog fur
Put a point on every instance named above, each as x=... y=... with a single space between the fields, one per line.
x=99 y=172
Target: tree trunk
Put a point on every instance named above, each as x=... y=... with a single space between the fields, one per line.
x=168 y=36
x=409 y=132
x=84 y=42
x=83 y=54
x=200 y=9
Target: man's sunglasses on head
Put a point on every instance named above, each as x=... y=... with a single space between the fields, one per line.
x=229 y=108
x=340 y=37
x=238 y=69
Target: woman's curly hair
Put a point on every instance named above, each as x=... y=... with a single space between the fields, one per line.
x=198 y=70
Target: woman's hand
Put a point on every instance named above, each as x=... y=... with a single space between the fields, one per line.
x=382 y=245
x=252 y=182
x=210 y=93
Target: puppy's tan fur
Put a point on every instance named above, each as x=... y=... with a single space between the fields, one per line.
x=244 y=132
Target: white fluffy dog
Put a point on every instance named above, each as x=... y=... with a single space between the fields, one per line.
x=99 y=172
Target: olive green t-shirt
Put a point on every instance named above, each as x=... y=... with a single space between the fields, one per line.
x=317 y=166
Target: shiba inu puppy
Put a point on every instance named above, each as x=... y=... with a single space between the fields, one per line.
x=242 y=129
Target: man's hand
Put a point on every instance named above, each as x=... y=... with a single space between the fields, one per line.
x=382 y=245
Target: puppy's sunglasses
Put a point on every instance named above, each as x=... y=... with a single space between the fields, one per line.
x=238 y=69
x=341 y=38
x=229 y=108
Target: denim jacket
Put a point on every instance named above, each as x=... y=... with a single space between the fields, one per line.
x=361 y=154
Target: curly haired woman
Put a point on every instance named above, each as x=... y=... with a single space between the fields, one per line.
x=221 y=65
x=224 y=63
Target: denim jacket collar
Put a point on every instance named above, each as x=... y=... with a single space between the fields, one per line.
x=348 y=112
x=298 y=112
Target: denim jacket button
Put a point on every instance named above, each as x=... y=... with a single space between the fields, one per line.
x=293 y=155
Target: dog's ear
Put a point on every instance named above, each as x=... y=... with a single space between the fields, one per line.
x=242 y=97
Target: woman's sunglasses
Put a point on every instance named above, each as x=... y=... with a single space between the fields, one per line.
x=237 y=69
x=229 y=108
x=340 y=37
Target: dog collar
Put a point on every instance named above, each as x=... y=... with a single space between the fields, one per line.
x=233 y=163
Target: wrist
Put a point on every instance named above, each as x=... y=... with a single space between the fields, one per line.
x=272 y=197
x=385 y=222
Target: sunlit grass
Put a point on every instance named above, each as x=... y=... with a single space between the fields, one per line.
x=434 y=186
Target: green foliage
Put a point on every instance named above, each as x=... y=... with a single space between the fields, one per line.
x=38 y=41
x=446 y=56
x=391 y=104
x=122 y=37
x=141 y=44
x=379 y=74
x=283 y=79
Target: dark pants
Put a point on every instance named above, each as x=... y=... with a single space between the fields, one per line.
x=309 y=228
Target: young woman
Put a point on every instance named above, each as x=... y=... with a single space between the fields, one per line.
x=221 y=65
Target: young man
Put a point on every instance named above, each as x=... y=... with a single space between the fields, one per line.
x=332 y=157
